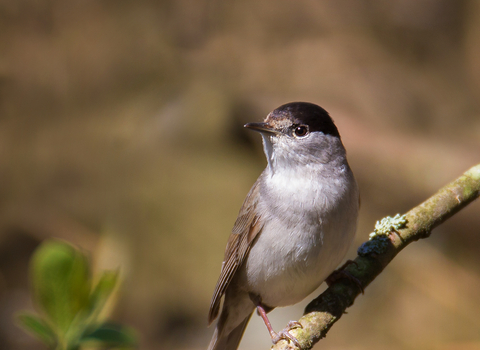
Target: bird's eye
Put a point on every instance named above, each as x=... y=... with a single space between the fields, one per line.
x=301 y=130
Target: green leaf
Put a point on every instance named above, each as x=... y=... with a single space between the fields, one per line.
x=111 y=335
x=34 y=325
x=103 y=290
x=61 y=282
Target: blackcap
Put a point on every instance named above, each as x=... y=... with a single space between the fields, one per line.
x=293 y=229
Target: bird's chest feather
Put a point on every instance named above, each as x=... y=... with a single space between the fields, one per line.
x=292 y=254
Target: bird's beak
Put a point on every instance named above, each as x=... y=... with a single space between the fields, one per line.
x=262 y=128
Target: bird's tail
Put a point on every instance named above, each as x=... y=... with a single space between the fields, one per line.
x=230 y=341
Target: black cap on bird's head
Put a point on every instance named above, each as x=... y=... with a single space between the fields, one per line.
x=297 y=119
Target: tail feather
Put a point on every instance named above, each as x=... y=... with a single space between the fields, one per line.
x=228 y=341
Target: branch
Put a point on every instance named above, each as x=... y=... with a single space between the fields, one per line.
x=376 y=254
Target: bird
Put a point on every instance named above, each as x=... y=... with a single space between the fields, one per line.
x=294 y=228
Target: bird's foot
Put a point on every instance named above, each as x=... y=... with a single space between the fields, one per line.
x=285 y=334
x=340 y=273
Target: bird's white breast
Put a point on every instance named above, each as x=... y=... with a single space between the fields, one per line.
x=309 y=222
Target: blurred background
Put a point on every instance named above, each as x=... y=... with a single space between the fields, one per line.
x=121 y=131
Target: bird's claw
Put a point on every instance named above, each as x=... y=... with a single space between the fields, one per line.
x=341 y=273
x=293 y=325
x=284 y=334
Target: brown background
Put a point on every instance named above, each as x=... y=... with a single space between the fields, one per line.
x=121 y=131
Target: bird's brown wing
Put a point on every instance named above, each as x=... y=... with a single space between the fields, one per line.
x=244 y=231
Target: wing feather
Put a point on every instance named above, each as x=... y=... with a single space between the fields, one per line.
x=246 y=228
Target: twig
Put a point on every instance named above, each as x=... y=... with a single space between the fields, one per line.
x=376 y=254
